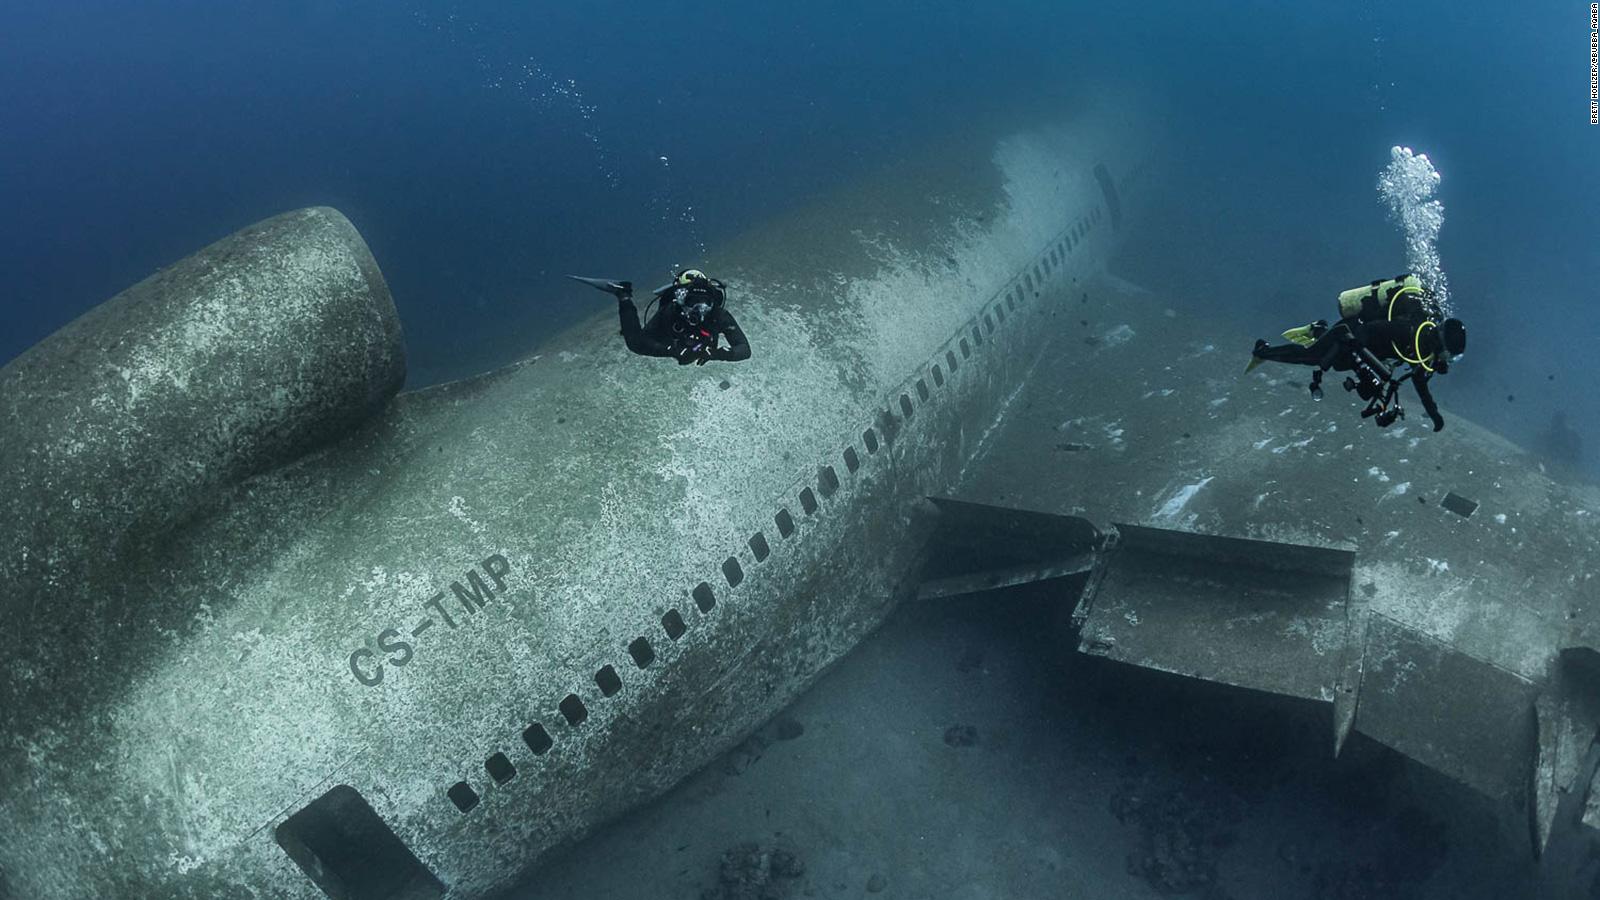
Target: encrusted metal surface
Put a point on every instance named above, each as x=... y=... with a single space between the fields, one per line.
x=1252 y=614
x=484 y=557
x=1150 y=422
x=1432 y=702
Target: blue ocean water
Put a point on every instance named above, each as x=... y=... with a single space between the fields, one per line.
x=483 y=149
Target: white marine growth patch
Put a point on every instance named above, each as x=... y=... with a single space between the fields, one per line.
x=1117 y=336
x=769 y=414
x=1431 y=599
x=1180 y=498
x=1113 y=432
x=899 y=317
x=460 y=512
x=1326 y=634
x=214 y=776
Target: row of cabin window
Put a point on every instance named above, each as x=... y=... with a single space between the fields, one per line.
x=500 y=768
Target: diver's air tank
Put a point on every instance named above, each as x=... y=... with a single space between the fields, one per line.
x=1371 y=301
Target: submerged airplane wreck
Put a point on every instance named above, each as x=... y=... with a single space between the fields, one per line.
x=276 y=629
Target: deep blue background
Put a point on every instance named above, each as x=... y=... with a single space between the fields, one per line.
x=133 y=134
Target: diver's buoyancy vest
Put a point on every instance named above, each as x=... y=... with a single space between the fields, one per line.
x=1375 y=302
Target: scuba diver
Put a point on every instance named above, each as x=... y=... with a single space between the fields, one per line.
x=1381 y=325
x=690 y=316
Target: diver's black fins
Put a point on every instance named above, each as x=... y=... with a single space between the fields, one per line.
x=611 y=286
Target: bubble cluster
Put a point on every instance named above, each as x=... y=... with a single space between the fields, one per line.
x=527 y=80
x=671 y=212
x=550 y=93
x=1407 y=185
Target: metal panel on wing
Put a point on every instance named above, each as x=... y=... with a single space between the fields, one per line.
x=1255 y=614
x=1467 y=718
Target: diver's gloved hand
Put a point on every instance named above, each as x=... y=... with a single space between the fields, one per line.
x=687 y=355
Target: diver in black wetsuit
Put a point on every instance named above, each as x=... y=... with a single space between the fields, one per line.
x=691 y=316
x=1383 y=325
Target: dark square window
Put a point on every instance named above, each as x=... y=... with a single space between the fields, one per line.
x=704 y=598
x=608 y=681
x=808 y=501
x=966 y=349
x=977 y=335
x=758 y=546
x=537 y=739
x=905 y=406
x=732 y=571
x=1000 y=312
x=463 y=796
x=870 y=438
x=827 y=481
x=922 y=390
x=938 y=376
x=641 y=651
x=950 y=359
x=988 y=323
x=574 y=710
x=851 y=460
x=500 y=768
x=785 y=522
x=672 y=624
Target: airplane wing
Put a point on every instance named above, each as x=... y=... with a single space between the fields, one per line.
x=1429 y=589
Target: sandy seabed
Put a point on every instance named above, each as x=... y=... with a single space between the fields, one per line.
x=965 y=751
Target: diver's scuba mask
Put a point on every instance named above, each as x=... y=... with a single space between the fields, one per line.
x=696 y=314
x=1451 y=344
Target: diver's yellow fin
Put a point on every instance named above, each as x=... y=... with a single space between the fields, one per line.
x=1254 y=361
x=1303 y=335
